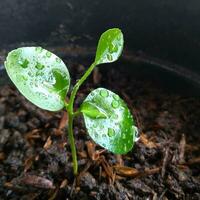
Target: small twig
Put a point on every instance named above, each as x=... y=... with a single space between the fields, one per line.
x=132 y=172
x=165 y=162
x=193 y=161
x=182 y=149
x=162 y=195
x=107 y=168
x=73 y=187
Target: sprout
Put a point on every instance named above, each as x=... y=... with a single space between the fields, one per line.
x=43 y=79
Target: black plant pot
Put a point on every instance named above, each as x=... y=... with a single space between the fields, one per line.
x=158 y=77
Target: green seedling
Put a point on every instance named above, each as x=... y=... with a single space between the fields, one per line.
x=43 y=79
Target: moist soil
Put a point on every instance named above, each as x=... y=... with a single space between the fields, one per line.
x=35 y=157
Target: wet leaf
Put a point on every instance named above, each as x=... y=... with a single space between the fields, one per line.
x=110 y=46
x=116 y=132
x=39 y=75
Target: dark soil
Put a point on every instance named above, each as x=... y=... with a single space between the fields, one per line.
x=35 y=158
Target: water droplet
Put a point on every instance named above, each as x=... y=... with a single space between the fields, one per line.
x=116 y=97
x=60 y=82
x=113 y=48
x=30 y=74
x=38 y=73
x=96 y=99
x=104 y=93
x=111 y=132
x=124 y=136
x=115 y=116
x=103 y=145
x=101 y=126
x=39 y=66
x=15 y=54
x=39 y=49
x=24 y=63
x=24 y=78
x=125 y=148
x=48 y=54
x=51 y=80
x=96 y=135
x=115 y=104
x=58 y=60
x=116 y=49
x=95 y=125
x=36 y=84
x=119 y=37
x=109 y=57
x=31 y=83
x=137 y=134
x=120 y=44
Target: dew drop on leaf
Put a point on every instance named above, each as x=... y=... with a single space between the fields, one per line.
x=101 y=126
x=111 y=48
x=104 y=93
x=30 y=74
x=96 y=135
x=39 y=66
x=51 y=80
x=119 y=38
x=111 y=132
x=115 y=104
x=109 y=57
x=125 y=148
x=115 y=49
x=58 y=60
x=31 y=83
x=116 y=97
x=39 y=49
x=115 y=116
x=39 y=73
x=24 y=78
x=48 y=54
x=24 y=63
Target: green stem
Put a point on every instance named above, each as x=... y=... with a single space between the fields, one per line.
x=72 y=144
x=71 y=116
x=78 y=84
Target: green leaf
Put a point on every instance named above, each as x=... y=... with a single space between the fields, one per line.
x=92 y=111
x=110 y=46
x=116 y=132
x=39 y=75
